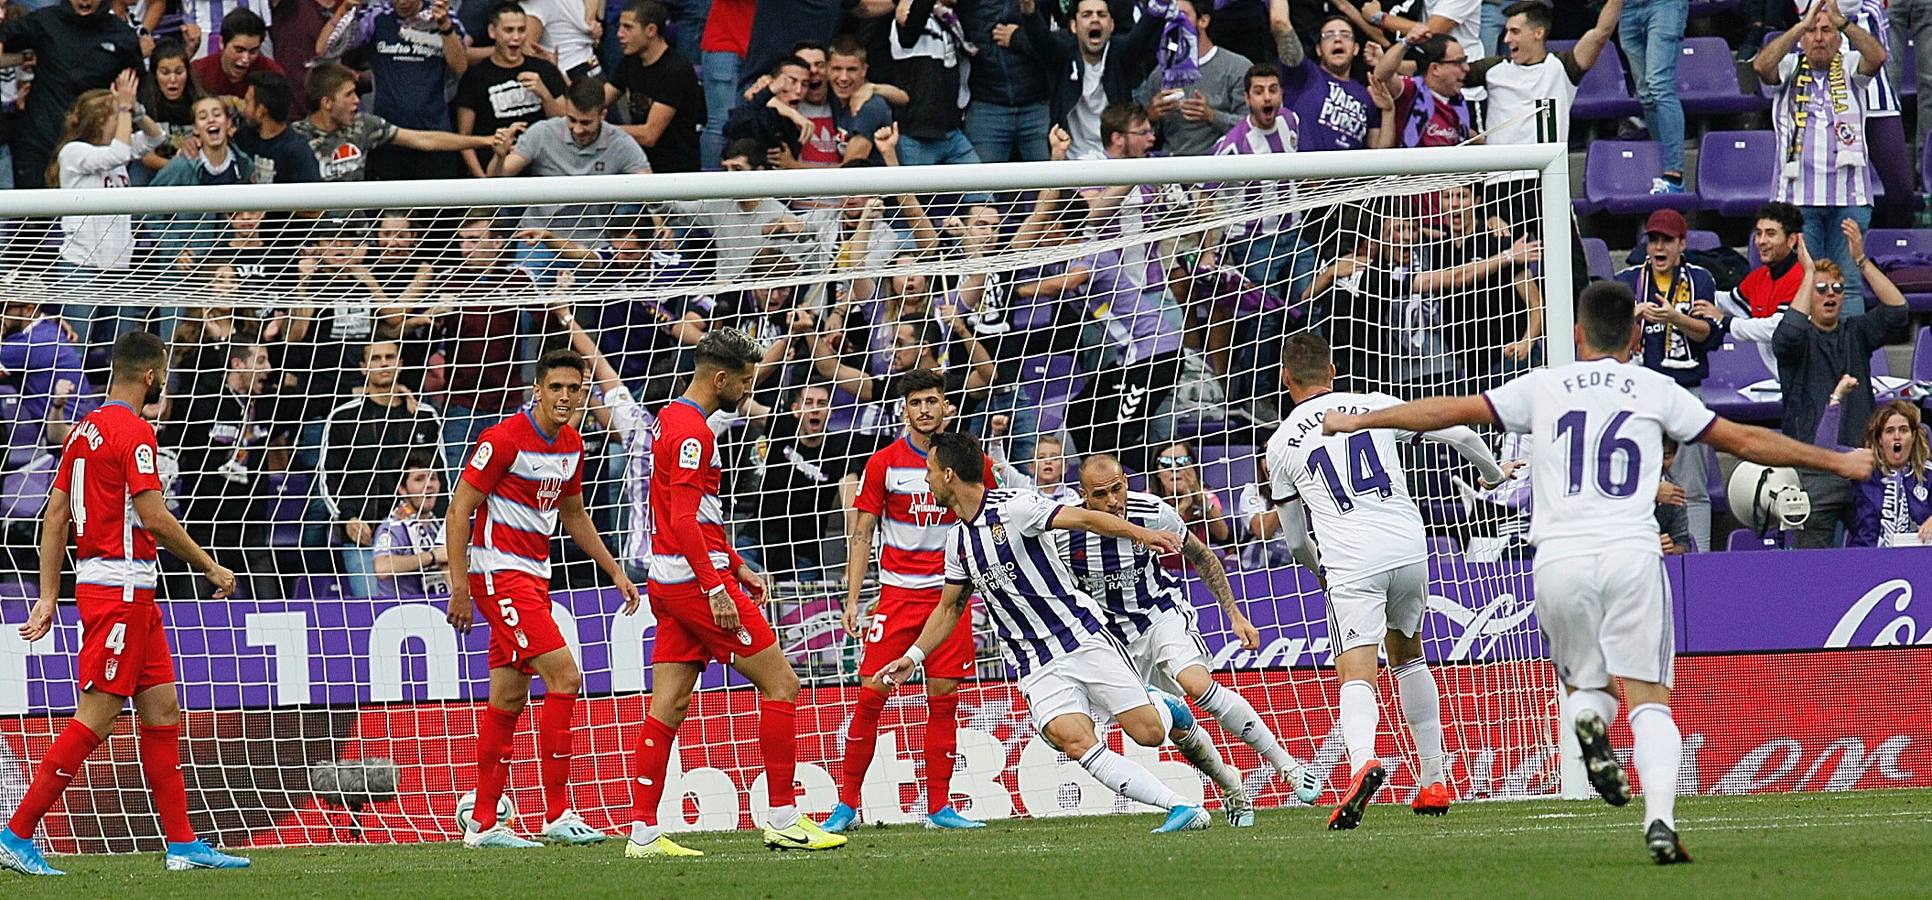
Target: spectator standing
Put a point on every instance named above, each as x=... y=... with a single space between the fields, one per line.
x=1529 y=73
x=809 y=472
x=661 y=90
x=1819 y=118
x=1365 y=287
x=930 y=54
x=292 y=31
x=1677 y=341
x=35 y=351
x=409 y=557
x=96 y=144
x=771 y=117
x=480 y=342
x=1894 y=506
x=1911 y=21
x=1198 y=91
x=858 y=110
x=579 y=142
x=416 y=50
x=506 y=88
x=340 y=137
x=281 y=154
x=225 y=74
x=566 y=33
x=1673 y=525
x=203 y=20
x=365 y=441
x=1778 y=278
x=1008 y=118
x=1430 y=109
x=1089 y=67
x=1333 y=109
x=168 y=96
x=1486 y=285
x=92 y=47
x=727 y=35
x=1651 y=33
x=223 y=438
x=1459 y=20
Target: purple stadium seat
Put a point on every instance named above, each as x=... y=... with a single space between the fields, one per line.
x=1883 y=243
x=1604 y=93
x=1597 y=251
x=1698 y=239
x=1922 y=357
x=1907 y=86
x=1707 y=80
x=1617 y=177
x=289 y=497
x=1746 y=539
x=1227 y=465
x=1735 y=365
x=1737 y=171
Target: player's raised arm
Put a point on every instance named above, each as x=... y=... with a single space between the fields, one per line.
x=1433 y=414
x=939 y=626
x=1077 y=518
x=167 y=531
x=456 y=531
x=577 y=523
x=53 y=554
x=1767 y=447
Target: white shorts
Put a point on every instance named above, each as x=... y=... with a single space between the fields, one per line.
x=1094 y=680
x=1168 y=646
x=1361 y=612
x=1606 y=616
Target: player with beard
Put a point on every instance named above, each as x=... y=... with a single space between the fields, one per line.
x=702 y=595
x=912 y=572
x=108 y=489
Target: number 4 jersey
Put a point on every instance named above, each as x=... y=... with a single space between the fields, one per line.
x=1598 y=429
x=1353 y=485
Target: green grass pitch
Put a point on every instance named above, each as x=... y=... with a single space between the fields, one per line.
x=1865 y=844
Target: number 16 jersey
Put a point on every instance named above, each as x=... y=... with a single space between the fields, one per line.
x=1353 y=485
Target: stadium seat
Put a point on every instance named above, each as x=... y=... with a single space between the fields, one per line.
x=1922 y=357
x=1746 y=539
x=1734 y=366
x=288 y=498
x=1737 y=171
x=1597 y=252
x=1907 y=86
x=1605 y=92
x=1227 y=465
x=1702 y=9
x=1893 y=243
x=1617 y=177
x=1707 y=80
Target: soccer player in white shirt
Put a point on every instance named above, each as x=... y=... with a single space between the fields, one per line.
x=1373 y=560
x=1010 y=548
x=1149 y=611
x=1601 y=595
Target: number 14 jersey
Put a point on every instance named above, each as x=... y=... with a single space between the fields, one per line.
x=1357 y=495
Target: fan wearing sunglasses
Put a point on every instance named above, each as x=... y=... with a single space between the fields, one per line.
x=1178 y=481
x=1816 y=345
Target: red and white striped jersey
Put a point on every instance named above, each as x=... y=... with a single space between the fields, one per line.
x=523 y=475
x=912 y=524
x=685 y=480
x=109 y=458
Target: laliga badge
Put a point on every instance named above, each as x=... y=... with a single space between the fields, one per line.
x=113 y=665
x=744 y=637
x=523 y=641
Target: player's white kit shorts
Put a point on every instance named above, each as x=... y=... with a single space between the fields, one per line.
x=1094 y=680
x=1361 y=612
x=1606 y=615
x=1165 y=648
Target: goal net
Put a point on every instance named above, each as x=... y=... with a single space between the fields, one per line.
x=336 y=350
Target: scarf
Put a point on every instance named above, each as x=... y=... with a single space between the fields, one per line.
x=1179 y=44
x=1847 y=118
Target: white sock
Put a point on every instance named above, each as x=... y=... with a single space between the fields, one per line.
x=1128 y=778
x=642 y=834
x=1601 y=701
x=1659 y=751
x=1422 y=706
x=1359 y=719
x=1201 y=751
x=782 y=817
x=1238 y=718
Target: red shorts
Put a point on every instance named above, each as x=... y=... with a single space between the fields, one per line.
x=895 y=625
x=518 y=610
x=687 y=633
x=123 y=648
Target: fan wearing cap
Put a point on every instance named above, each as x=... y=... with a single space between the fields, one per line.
x=1675 y=341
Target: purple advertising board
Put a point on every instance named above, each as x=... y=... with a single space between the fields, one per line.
x=330 y=651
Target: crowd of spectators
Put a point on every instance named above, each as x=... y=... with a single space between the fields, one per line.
x=353 y=356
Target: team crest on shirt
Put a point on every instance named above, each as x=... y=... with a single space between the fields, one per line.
x=144 y=459
x=523 y=641
x=482 y=457
x=744 y=637
x=690 y=454
x=113 y=665
x=999 y=532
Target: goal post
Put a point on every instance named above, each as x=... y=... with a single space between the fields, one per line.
x=336 y=349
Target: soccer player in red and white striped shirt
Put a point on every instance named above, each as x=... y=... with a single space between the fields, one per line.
x=525 y=474
x=912 y=573
x=701 y=593
x=108 y=489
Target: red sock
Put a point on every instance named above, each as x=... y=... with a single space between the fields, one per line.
x=161 y=763
x=942 y=740
x=495 y=737
x=860 y=740
x=63 y=762
x=554 y=743
x=653 y=756
x=778 y=741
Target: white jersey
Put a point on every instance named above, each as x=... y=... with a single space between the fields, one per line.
x=1598 y=430
x=1353 y=484
x=1017 y=564
x=1127 y=579
x=632 y=424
